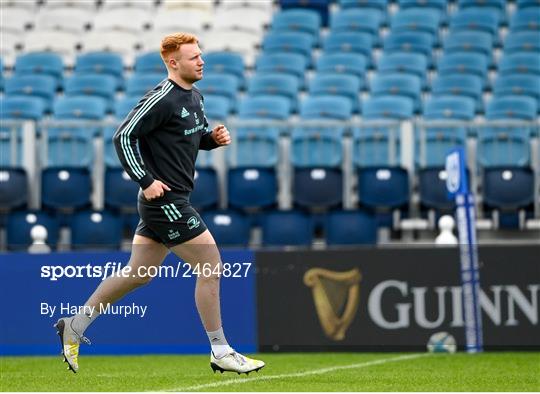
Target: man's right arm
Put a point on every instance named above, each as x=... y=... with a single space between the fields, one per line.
x=148 y=115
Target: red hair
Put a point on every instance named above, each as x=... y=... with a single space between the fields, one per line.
x=172 y=43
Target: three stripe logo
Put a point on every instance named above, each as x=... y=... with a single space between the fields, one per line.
x=171 y=212
x=129 y=155
x=184 y=112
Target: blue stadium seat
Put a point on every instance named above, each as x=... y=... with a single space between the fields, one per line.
x=508 y=188
x=468 y=85
x=217 y=107
x=449 y=107
x=41 y=63
x=342 y=85
x=409 y=41
x=21 y=107
x=20 y=223
x=317 y=188
x=101 y=63
x=519 y=63
x=289 y=42
x=498 y=4
x=42 y=86
x=397 y=84
x=432 y=190
x=219 y=84
x=139 y=84
x=120 y=190
x=317 y=147
x=469 y=41
x=11 y=146
x=417 y=19
x=353 y=42
x=503 y=147
x=225 y=62
x=526 y=19
x=379 y=4
x=65 y=187
x=287 y=228
x=321 y=6
x=383 y=188
x=280 y=84
x=463 y=63
x=109 y=152
x=328 y=107
x=353 y=19
x=267 y=107
x=252 y=188
x=393 y=107
x=13 y=188
x=434 y=143
x=518 y=85
x=150 y=62
x=376 y=146
x=301 y=20
x=94 y=230
x=317 y=154
x=342 y=63
x=95 y=85
x=229 y=228
x=436 y=4
x=350 y=228
x=527 y=3
x=80 y=107
x=71 y=147
x=512 y=107
x=257 y=147
x=403 y=62
x=205 y=194
x=287 y=63
x=123 y=106
x=483 y=19
x=522 y=41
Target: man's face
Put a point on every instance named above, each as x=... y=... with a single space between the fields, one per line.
x=188 y=62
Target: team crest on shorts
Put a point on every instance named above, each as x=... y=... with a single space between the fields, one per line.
x=173 y=234
x=193 y=222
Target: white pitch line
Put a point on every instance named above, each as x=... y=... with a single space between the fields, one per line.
x=299 y=374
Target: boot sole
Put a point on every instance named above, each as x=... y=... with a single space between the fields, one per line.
x=60 y=325
x=216 y=367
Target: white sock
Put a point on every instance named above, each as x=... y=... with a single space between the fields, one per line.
x=219 y=344
x=82 y=320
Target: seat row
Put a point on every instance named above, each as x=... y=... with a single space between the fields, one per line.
x=379 y=189
x=104 y=230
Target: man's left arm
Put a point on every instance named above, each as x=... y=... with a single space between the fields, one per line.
x=215 y=138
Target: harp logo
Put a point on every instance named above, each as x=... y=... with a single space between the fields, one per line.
x=336 y=296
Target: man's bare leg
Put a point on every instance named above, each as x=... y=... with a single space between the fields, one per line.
x=145 y=253
x=202 y=251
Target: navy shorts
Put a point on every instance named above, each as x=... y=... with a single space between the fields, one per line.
x=170 y=219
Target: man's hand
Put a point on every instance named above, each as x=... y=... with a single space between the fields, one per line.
x=221 y=135
x=155 y=190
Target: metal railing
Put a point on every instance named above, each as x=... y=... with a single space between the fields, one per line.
x=406 y=146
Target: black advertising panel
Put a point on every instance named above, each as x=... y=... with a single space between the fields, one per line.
x=390 y=299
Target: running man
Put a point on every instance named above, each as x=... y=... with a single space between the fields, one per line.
x=169 y=127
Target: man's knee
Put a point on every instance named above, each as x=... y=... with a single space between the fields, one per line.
x=137 y=277
x=209 y=272
x=141 y=280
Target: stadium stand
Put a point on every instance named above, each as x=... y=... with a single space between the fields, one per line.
x=357 y=104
